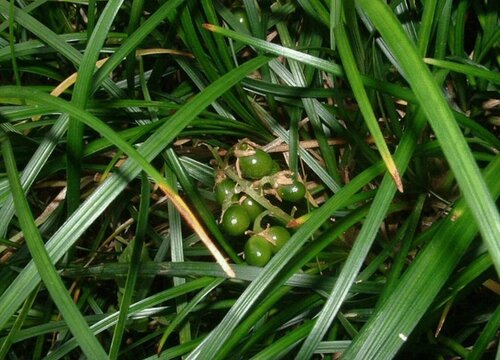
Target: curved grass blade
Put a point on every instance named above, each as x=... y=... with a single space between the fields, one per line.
x=81 y=94
x=143 y=305
x=135 y=39
x=441 y=119
x=69 y=232
x=364 y=240
x=107 y=132
x=59 y=294
x=135 y=263
x=196 y=268
x=14 y=330
x=354 y=78
x=181 y=315
x=177 y=253
x=314 y=61
x=466 y=69
x=300 y=79
x=41 y=155
x=388 y=329
x=487 y=335
x=425 y=28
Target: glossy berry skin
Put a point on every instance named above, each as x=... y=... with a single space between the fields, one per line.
x=278 y=236
x=257 y=251
x=252 y=207
x=235 y=220
x=224 y=190
x=293 y=192
x=241 y=15
x=257 y=165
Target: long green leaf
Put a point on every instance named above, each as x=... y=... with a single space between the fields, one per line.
x=365 y=107
x=314 y=61
x=441 y=118
x=135 y=264
x=364 y=240
x=466 y=69
x=145 y=304
x=82 y=90
x=77 y=324
x=48 y=144
x=67 y=234
x=391 y=325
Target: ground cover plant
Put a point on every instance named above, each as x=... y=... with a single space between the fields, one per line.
x=249 y=179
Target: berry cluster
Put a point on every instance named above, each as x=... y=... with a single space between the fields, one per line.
x=255 y=178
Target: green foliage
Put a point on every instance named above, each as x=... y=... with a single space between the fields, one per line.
x=348 y=101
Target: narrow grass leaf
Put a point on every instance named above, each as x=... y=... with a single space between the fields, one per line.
x=106 y=131
x=466 y=69
x=365 y=107
x=314 y=61
x=441 y=118
x=186 y=310
x=135 y=263
x=388 y=329
x=425 y=29
x=81 y=94
x=363 y=242
x=59 y=294
x=177 y=254
x=50 y=141
x=69 y=232
x=300 y=80
x=146 y=304
x=14 y=330
x=487 y=335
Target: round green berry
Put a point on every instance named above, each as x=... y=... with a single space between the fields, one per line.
x=252 y=207
x=257 y=251
x=277 y=236
x=235 y=220
x=293 y=192
x=224 y=190
x=257 y=165
x=241 y=16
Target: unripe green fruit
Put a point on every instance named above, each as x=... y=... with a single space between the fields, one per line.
x=257 y=251
x=235 y=220
x=257 y=165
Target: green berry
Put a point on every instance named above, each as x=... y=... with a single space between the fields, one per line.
x=241 y=16
x=257 y=251
x=293 y=192
x=235 y=220
x=252 y=207
x=224 y=190
x=257 y=165
x=277 y=236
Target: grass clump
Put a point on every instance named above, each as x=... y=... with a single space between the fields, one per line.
x=120 y=120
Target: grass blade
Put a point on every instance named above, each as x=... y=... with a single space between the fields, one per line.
x=60 y=243
x=393 y=322
x=441 y=118
x=82 y=91
x=365 y=107
x=77 y=324
x=364 y=241
x=106 y=131
x=466 y=69
x=135 y=262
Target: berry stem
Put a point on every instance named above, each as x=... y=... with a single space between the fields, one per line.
x=247 y=188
